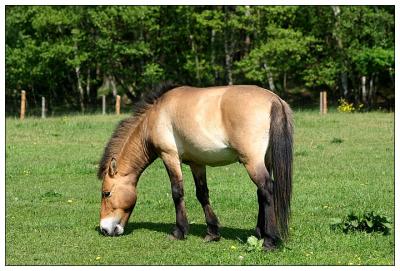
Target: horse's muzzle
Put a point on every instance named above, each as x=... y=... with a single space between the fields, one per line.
x=110 y=227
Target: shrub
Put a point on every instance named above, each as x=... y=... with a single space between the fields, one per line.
x=346 y=107
x=368 y=222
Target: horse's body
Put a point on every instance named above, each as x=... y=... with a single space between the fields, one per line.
x=211 y=126
x=213 y=129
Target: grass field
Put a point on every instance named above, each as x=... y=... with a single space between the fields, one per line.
x=342 y=163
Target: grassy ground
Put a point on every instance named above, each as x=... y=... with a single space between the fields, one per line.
x=343 y=163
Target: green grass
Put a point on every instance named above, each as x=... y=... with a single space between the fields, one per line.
x=342 y=163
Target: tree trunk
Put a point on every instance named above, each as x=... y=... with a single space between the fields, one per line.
x=80 y=89
x=364 y=89
x=247 y=40
x=345 y=85
x=213 y=54
x=228 y=49
x=79 y=83
x=371 y=91
x=284 y=81
x=228 y=63
x=88 y=98
x=196 y=58
x=113 y=86
x=270 y=78
x=343 y=74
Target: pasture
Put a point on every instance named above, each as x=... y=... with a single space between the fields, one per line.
x=342 y=163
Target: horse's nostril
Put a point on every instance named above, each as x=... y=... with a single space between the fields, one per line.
x=104 y=231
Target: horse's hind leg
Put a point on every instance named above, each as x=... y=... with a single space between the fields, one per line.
x=173 y=166
x=266 y=221
x=199 y=176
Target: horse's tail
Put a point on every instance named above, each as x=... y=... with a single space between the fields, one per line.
x=281 y=158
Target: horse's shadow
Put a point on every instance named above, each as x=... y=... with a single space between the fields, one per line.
x=194 y=229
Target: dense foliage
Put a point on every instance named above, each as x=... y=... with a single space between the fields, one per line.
x=368 y=222
x=74 y=54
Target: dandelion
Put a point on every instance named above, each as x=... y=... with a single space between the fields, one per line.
x=98 y=258
x=233 y=247
x=69 y=201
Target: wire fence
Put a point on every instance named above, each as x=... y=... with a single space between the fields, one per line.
x=104 y=105
x=24 y=107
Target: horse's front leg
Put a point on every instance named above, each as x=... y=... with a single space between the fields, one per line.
x=173 y=166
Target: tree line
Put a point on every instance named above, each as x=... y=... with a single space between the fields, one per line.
x=74 y=54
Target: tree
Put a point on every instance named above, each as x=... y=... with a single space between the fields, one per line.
x=73 y=54
x=368 y=43
x=278 y=50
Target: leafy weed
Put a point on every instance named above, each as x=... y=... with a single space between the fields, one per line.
x=368 y=222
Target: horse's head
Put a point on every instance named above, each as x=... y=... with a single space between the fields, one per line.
x=117 y=202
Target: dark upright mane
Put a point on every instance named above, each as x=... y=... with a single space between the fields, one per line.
x=126 y=126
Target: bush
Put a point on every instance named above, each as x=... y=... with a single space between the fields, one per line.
x=368 y=222
x=346 y=107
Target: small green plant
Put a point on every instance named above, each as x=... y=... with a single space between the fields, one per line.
x=368 y=222
x=253 y=244
x=51 y=196
x=346 y=107
x=336 y=140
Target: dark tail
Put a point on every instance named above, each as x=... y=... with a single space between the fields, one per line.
x=281 y=155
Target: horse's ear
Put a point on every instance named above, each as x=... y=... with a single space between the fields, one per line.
x=112 y=170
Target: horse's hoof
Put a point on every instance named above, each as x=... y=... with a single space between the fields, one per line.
x=210 y=238
x=269 y=248
x=172 y=237
x=176 y=234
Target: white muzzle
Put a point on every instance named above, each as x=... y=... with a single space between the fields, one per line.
x=110 y=226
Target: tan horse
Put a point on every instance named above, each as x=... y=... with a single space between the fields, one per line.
x=203 y=126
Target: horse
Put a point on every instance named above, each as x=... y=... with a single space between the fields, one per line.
x=200 y=127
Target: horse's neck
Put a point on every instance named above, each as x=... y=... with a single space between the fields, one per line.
x=137 y=153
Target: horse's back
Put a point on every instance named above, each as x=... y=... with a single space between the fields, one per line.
x=216 y=125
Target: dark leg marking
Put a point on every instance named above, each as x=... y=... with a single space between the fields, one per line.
x=266 y=221
x=199 y=176
x=265 y=199
x=182 y=226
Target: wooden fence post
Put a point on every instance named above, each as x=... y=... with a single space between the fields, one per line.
x=43 y=107
x=103 y=97
x=23 y=104
x=118 y=105
x=323 y=103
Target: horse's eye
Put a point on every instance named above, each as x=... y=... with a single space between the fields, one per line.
x=106 y=194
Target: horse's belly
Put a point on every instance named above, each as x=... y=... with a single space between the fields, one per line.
x=214 y=157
